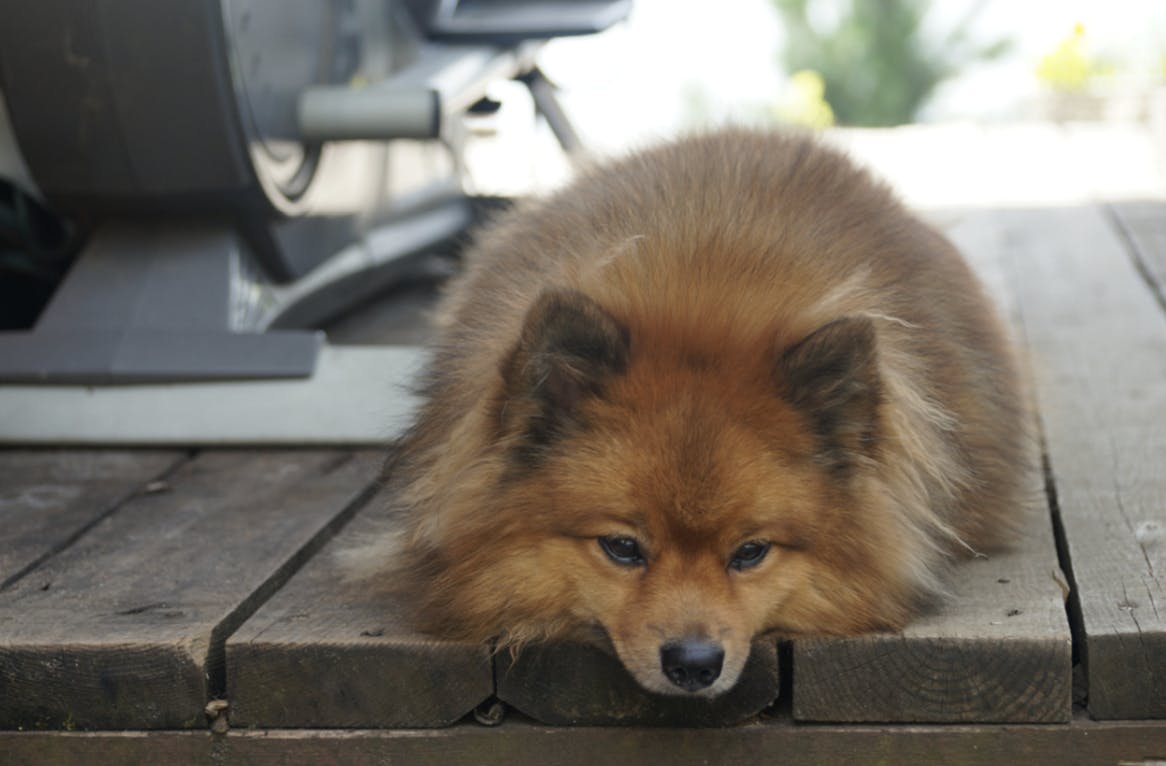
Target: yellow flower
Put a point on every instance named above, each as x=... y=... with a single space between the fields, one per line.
x=1068 y=67
x=805 y=101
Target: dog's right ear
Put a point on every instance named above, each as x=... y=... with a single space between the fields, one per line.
x=569 y=349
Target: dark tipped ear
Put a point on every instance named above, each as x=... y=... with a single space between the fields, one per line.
x=832 y=376
x=569 y=349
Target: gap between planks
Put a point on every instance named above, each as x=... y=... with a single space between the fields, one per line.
x=127 y=628
x=1097 y=333
x=51 y=499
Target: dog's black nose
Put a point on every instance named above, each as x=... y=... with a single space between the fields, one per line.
x=692 y=664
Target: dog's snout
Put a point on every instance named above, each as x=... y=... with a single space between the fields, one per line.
x=692 y=664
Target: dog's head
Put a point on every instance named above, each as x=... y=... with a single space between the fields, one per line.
x=685 y=498
x=682 y=505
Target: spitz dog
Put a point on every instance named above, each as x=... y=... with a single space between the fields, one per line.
x=725 y=386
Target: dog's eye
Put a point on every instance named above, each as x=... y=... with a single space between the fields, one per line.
x=749 y=555
x=624 y=551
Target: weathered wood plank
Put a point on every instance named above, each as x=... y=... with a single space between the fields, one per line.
x=1083 y=743
x=49 y=497
x=998 y=650
x=326 y=653
x=1098 y=339
x=577 y=684
x=125 y=628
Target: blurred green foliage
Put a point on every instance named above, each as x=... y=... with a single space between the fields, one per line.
x=878 y=62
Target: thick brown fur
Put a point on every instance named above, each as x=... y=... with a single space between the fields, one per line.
x=735 y=337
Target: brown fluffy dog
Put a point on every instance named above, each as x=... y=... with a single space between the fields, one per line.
x=721 y=387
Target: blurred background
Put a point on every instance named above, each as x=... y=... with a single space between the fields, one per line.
x=246 y=173
x=229 y=191
x=1035 y=102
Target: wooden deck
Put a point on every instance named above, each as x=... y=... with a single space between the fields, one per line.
x=137 y=586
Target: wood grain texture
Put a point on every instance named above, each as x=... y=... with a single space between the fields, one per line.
x=1097 y=335
x=999 y=649
x=1083 y=743
x=126 y=627
x=49 y=497
x=576 y=684
x=327 y=653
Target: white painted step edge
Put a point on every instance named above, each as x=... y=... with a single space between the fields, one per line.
x=359 y=395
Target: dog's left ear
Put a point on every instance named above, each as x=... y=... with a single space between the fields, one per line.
x=569 y=349
x=832 y=377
